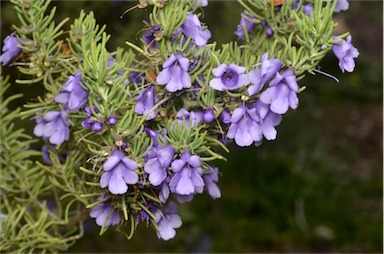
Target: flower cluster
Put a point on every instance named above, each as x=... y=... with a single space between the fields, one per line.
x=148 y=126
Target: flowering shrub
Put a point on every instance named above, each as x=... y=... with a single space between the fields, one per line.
x=129 y=133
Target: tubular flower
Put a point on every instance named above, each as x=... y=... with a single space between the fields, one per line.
x=246 y=23
x=228 y=77
x=175 y=73
x=190 y=119
x=167 y=221
x=157 y=166
x=281 y=93
x=145 y=103
x=187 y=178
x=244 y=126
x=55 y=127
x=267 y=120
x=345 y=52
x=119 y=171
x=268 y=69
x=210 y=180
x=72 y=95
x=10 y=49
x=192 y=28
x=101 y=213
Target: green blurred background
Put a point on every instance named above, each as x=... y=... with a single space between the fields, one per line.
x=317 y=188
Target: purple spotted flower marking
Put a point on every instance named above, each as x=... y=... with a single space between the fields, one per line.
x=187 y=175
x=157 y=166
x=247 y=23
x=281 y=93
x=119 y=171
x=54 y=127
x=192 y=28
x=167 y=221
x=244 y=128
x=268 y=69
x=72 y=95
x=10 y=49
x=175 y=73
x=228 y=77
x=105 y=215
x=345 y=52
x=146 y=101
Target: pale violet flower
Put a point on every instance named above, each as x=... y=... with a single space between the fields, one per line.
x=175 y=73
x=187 y=175
x=157 y=166
x=54 y=127
x=345 y=52
x=119 y=171
x=200 y=3
x=192 y=28
x=210 y=180
x=101 y=213
x=167 y=221
x=228 y=77
x=72 y=95
x=10 y=49
x=268 y=120
x=281 y=93
x=146 y=101
x=247 y=23
x=267 y=70
x=244 y=128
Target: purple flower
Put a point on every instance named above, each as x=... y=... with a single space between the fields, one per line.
x=244 y=127
x=10 y=49
x=175 y=73
x=209 y=115
x=269 y=31
x=87 y=122
x=46 y=156
x=201 y=3
x=153 y=135
x=268 y=69
x=190 y=119
x=225 y=116
x=112 y=120
x=228 y=77
x=281 y=93
x=96 y=126
x=187 y=178
x=267 y=120
x=105 y=214
x=157 y=167
x=146 y=101
x=192 y=28
x=167 y=221
x=210 y=180
x=88 y=111
x=164 y=191
x=345 y=52
x=72 y=94
x=246 y=24
x=54 y=126
x=136 y=77
x=341 y=5
x=119 y=171
x=308 y=9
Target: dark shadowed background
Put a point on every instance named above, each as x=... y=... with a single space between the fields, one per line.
x=317 y=188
